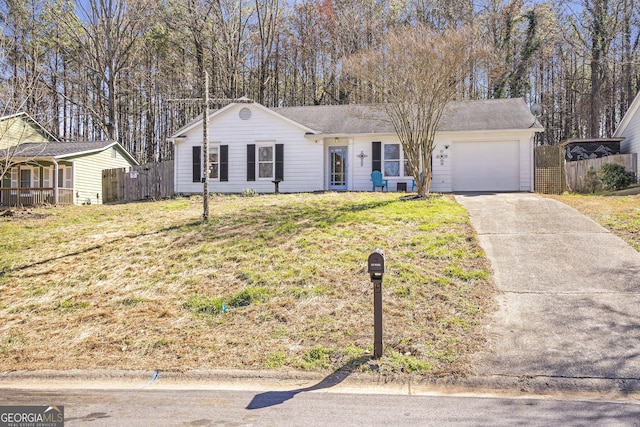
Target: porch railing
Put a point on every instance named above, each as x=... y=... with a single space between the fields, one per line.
x=10 y=197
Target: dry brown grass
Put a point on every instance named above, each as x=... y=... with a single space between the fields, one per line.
x=620 y=214
x=127 y=286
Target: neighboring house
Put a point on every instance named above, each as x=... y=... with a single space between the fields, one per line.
x=18 y=128
x=481 y=146
x=44 y=170
x=629 y=129
x=61 y=172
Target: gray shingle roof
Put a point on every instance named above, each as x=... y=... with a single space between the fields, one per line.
x=482 y=115
x=59 y=149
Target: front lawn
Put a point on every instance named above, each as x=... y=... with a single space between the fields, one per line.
x=270 y=282
x=620 y=214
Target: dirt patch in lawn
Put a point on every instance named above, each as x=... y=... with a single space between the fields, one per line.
x=269 y=282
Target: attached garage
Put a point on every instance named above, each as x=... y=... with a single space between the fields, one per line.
x=486 y=166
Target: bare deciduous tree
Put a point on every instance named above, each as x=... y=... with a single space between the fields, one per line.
x=104 y=42
x=17 y=93
x=418 y=71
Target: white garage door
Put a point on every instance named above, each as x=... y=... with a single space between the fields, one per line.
x=486 y=166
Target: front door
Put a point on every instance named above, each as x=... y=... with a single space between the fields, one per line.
x=338 y=168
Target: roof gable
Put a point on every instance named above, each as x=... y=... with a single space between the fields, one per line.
x=629 y=115
x=66 y=150
x=238 y=106
x=21 y=128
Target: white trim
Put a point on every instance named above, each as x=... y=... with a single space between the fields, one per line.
x=633 y=108
x=266 y=144
x=401 y=160
x=214 y=146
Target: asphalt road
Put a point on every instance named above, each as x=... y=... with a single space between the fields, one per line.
x=297 y=407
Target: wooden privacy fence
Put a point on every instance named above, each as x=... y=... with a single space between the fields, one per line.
x=576 y=171
x=549 y=170
x=143 y=182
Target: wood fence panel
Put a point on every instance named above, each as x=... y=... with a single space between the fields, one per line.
x=576 y=171
x=113 y=185
x=143 y=182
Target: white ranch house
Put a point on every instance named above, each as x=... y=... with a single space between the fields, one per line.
x=481 y=146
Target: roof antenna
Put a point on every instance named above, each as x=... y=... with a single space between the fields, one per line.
x=536 y=110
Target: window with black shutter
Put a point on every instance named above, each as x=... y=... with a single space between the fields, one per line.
x=197 y=163
x=376 y=157
x=279 y=162
x=224 y=163
x=251 y=162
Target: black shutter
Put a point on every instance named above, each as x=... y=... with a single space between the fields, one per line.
x=279 y=162
x=224 y=163
x=376 y=158
x=251 y=162
x=197 y=163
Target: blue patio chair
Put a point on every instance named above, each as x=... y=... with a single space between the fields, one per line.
x=376 y=178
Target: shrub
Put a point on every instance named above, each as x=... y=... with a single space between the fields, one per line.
x=615 y=177
x=591 y=181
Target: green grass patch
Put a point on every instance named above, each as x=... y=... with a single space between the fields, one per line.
x=316 y=359
x=70 y=305
x=207 y=305
x=248 y=296
x=276 y=360
x=467 y=276
x=204 y=305
x=399 y=362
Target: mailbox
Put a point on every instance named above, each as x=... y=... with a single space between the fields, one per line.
x=375 y=264
x=375 y=267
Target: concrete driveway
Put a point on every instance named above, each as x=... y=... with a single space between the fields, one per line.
x=570 y=301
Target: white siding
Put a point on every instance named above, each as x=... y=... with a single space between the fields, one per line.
x=361 y=169
x=631 y=143
x=443 y=159
x=303 y=157
x=306 y=165
x=442 y=180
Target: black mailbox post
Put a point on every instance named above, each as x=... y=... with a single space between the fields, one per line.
x=375 y=267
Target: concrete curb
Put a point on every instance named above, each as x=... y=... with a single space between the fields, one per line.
x=338 y=381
